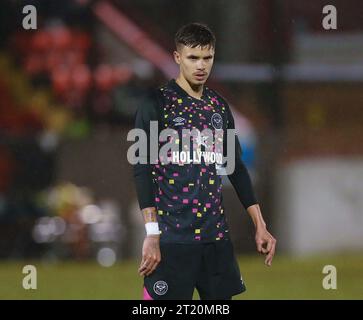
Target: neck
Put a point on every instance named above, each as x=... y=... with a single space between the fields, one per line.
x=194 y=91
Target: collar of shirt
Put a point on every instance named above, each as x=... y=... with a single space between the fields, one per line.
x=182 y=92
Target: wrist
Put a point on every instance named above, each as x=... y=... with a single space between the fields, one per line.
x=154 y=237
x=260 y=226
x=152 y=229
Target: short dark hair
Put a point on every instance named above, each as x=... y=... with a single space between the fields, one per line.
x=195 y=34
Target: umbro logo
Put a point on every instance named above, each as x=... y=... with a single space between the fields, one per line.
x=179 y=121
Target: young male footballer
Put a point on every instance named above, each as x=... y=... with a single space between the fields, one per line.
x=187 y=244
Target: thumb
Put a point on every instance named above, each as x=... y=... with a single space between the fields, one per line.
x=259 y=246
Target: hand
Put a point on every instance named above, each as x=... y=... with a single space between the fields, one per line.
x=150 y=255
x=263 y=237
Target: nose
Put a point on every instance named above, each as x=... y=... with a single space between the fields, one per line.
x=201 y=65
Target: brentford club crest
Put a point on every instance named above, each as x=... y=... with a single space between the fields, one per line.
x=216 y=120
x=160 y=288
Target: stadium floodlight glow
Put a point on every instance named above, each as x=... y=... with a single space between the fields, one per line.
x=106 y=257
x=90 y=214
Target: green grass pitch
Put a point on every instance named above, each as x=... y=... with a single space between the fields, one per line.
x=287 y=279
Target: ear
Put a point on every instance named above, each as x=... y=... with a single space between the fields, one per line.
x=176 y=55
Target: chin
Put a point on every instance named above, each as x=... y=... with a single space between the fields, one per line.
x=198 y=82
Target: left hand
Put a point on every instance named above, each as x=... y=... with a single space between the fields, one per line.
x=266 y=244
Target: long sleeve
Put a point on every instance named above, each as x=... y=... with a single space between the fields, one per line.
x=142 y=172
x=240 y=177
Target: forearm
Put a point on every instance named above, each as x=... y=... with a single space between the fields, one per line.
x=149 y=214
x=143 y=169
x=255 y=213
x=144 y=186
x=242 y=184
x=241 y=180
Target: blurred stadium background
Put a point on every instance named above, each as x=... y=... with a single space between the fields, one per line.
x=68 y=94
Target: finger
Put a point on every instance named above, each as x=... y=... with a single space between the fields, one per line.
x=153 y=267
x=259 y=246
x=144 y=271
x=269 y=245
x=264 y=250
x=145 y=265
x=148 y=265
x=141 y=263
x=268 y=260
x=150 y=269
x=142 y=268
x=270 y=256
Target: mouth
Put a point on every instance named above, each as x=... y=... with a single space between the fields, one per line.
x=200 y=76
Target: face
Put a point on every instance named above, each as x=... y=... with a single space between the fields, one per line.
x=195 y=63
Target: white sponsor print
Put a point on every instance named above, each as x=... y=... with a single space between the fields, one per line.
x=170 y=151
x=185 y=157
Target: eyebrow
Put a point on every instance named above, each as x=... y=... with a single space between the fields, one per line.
x=194 y=56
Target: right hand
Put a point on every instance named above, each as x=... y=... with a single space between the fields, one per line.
x=151 y=255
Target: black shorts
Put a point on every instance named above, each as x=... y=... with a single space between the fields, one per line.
x=211 y=268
